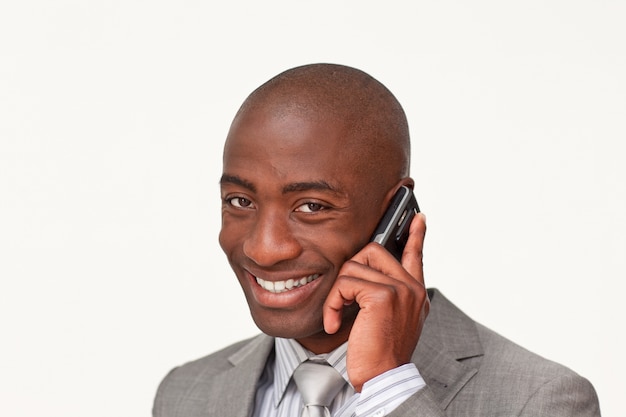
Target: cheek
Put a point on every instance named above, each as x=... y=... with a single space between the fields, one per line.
x=338 y=243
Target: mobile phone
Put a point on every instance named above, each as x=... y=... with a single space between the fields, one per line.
x=393 y=230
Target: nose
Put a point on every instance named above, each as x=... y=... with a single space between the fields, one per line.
x=271 y=241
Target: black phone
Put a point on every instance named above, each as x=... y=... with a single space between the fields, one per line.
x=393 y=230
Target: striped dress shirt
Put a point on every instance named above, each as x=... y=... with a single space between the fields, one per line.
x=277 y=395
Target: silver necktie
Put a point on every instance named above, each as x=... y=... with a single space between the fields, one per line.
x=319 y=384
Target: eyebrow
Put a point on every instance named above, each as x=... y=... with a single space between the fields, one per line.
x=310 y=185
x=233 y=179
x=289 y=188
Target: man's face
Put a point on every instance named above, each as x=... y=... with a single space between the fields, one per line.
x=295 y=207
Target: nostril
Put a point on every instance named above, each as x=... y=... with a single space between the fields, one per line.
x=270 y=249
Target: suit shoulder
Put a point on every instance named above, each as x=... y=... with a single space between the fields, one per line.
x=189 y=386
x=502 y=353
x=472 y=370
x=509 y=374
x=216 y=362
x=449 y=329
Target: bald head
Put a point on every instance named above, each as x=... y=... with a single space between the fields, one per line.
x=375 y=130
x=311 y=162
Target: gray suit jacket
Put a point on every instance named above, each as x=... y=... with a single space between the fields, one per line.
x=469 y=371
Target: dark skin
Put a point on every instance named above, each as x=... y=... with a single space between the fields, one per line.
x=294 y=207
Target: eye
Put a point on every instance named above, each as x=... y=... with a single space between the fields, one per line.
x=310 y=207
x=240 y=202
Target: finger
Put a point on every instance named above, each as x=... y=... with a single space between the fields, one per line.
x=362 y=283
x=412 y=256
x=350 y=289
x=332 y=311
x=374 y=263
x=377 y=259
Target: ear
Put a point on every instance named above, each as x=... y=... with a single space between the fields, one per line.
x=407 y=181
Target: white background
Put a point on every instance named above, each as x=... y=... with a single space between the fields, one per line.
x=112 y=120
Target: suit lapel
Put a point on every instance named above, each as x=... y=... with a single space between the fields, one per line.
x=448 y=337
x=234 y=395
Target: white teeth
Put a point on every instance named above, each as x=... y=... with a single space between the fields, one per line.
x=282 y=286
x=268 y=285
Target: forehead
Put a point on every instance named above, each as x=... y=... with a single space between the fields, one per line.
x=281 y=148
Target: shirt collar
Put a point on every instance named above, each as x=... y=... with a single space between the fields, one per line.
x=290 y=354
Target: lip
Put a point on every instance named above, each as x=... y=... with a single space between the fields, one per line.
x=292 y=298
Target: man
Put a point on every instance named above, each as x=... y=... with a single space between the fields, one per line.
x=311 y=162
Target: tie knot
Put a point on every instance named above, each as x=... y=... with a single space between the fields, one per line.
x=318 y=383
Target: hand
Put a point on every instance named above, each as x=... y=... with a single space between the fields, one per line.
x=393 y=306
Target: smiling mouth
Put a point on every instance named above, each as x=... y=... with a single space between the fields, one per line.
x=284 y=286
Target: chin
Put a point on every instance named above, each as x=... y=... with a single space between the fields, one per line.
x=287 y=326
